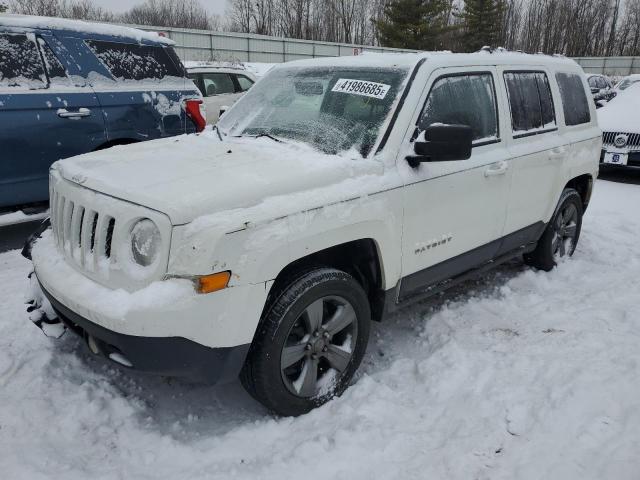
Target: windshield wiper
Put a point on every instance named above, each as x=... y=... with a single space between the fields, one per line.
x=268 y=135
x=215 y=127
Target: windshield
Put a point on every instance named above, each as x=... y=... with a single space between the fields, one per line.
x=331 y=109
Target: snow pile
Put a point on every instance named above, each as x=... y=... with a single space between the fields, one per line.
x=520 y=375
x=621 y=113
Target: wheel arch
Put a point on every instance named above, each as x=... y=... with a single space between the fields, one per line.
x=583 y=184
x=361 y=258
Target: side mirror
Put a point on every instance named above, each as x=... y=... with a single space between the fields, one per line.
x=442 y=143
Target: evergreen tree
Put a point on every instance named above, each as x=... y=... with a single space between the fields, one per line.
x=482 y=23
x=3 y=8
x=415 y=24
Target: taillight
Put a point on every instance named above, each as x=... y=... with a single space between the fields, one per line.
x=195 y=111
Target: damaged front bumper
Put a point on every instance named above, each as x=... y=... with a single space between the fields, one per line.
x=168 y=356
x=147 y=339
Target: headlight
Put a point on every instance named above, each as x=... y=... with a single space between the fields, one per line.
x=145 y=242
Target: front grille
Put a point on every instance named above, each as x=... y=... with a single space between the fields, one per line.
x=90 y=229
x=633 y=139
x=83 y=234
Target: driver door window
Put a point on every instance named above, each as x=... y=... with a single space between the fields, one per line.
x=464 y=100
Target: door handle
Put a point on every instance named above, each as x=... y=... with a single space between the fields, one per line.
x=499 y=168
x=81 y=112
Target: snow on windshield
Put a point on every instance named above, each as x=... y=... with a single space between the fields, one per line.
x=332 y=109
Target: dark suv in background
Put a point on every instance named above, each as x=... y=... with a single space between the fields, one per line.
x=70 y=87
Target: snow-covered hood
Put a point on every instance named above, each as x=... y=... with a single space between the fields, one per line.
x=622 y=114
x=190 y=176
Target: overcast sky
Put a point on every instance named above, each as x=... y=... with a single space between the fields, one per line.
x=214 y=6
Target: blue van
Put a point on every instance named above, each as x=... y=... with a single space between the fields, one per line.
x=70 y=87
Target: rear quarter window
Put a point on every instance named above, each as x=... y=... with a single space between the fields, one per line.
x=20 y=62
x=574 y=99
x=128 y=61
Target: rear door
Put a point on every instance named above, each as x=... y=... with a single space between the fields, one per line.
x=142 y=90
x=44 y=116
x=537 y=152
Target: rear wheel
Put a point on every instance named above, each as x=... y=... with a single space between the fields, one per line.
x=310 y=342
x=561 y=234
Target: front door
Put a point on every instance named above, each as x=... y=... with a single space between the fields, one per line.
x=44 y=117
x=455 y=210
x=219 y=91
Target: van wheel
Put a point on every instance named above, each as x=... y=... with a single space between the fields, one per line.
x=309 y=343
x=561 y=235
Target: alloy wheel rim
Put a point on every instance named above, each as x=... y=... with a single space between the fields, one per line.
x=319 y=347
x=565 y=231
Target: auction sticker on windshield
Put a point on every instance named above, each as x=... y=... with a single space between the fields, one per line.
x=361 y=87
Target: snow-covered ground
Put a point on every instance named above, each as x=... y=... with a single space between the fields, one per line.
x=518 y=375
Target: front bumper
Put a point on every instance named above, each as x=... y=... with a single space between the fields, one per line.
x=165 y=328
x=170 y=356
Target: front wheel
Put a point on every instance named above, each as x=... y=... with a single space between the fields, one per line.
x=561 y=235
x=310 y=342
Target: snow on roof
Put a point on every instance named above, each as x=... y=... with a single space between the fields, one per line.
x=193 y=64
x=31 y=21
x=408 y=60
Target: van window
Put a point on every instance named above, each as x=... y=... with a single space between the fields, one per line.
x=531 y=102
x=467 y=99
x=20 y=63
x=127 y=61
x=217 y=84
x=574 y=100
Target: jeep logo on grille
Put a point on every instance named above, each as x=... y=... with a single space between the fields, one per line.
x=620 y=140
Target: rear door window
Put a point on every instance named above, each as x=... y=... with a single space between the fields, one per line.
x=574 y=99
x=128 y=61
x=531 y=103
x=20 y=62
x=55 y=71
x=217 y=84
x=467 y=99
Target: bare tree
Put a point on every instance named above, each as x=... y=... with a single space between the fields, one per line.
x=80 y=9
x=170 y=13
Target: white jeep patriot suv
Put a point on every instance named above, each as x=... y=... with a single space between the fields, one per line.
x=335 y=191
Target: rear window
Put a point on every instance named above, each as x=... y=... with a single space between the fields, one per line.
x=531 y=102
x=128 y=61
x=20 y=62
x=574 y=100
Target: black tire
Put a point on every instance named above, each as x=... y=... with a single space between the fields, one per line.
x=561 y=235
x=335 y=298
